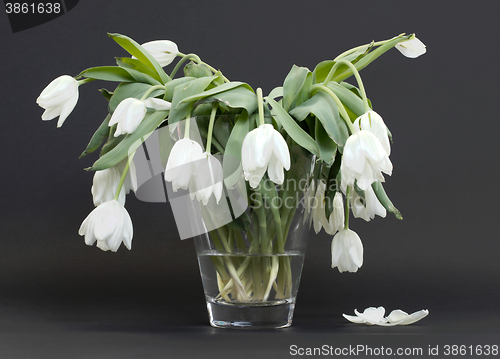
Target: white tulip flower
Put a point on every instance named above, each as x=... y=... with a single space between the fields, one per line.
x=105 y=185
x=131 y=111
x=109 y=224
x=368 y=208
x=59 y=98
x=264 y=149
x=412 y=48
x=163 y=51
x=347 y=251
x=182 y=162
x=372 y=122
x=318 y=211
x=364 y=159
x=337 y=216
x=375 y=316
x=208 y=179
x=106 y=182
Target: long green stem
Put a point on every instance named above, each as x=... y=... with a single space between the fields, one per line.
x=150 y=91
x=358 y=79
x=84 y=81
x=261 y=106
x=346 y=215
x=378 y=43
x=186 y=127
x=183 y=60
x=124 y=175
x=339 y=103
x=198 y=60
x=211 y=127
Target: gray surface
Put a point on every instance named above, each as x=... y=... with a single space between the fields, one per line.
x=62 y=299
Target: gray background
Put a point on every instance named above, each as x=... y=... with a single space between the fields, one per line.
x=62 y=299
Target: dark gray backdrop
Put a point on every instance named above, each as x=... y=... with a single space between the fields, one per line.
x=61 y=298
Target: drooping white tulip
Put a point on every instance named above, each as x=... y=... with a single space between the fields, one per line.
x=182 y=161
x=368 y=208
x=347 y=251
x=372 y=122
x=105 y=185
x=106 y=182
x=375 y=316
x=318 y=210
x=208 y=179
x=109 y=224
x=163 y=51
x=264 y=149
x=412 y=48
x=131 y=111
x=59 y=98
x=337 y=216
x=364 y=159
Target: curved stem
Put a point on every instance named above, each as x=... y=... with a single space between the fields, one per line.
x=356 y=74
x=195 y=58
x=211 y=127
x=261 y=106
x=339 y=103
x=150 y=91
x=378 y=43
x=84 y=81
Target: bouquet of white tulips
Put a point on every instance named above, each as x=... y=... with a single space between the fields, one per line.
x=315 y=126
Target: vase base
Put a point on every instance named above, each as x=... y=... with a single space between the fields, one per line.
x=249 y=316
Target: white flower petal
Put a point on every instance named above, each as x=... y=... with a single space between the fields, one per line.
x=157 y=104
x=403 y=318
x=412 y=48
x=163 y=51
x=59 y=98
x=347 y=251
x=109 y=224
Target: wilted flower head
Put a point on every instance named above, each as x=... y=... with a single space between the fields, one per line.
x=131 y=111
x=412 y=48
x=364 y=159
x=181 y=164
x=367 y=208
x=109 y=224
x=372 y=122
x=207 y=179
x=347 y=251
x=163 y=51
x=59 y=98
x=263 y=149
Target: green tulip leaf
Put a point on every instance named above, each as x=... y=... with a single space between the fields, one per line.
x=326 y=110
x=327 y=147
x=136 y=50
x=222 y=88
x=107 y=73
x=181 y=107
x=232 y=156
x=134 y=64
x=170 y=86
x=239 y=97
x=384 y=199
x=131 y=142
x=294 y=84
x=98 y=138
x=352 y=103
x=292 y=128
x=106 y=94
